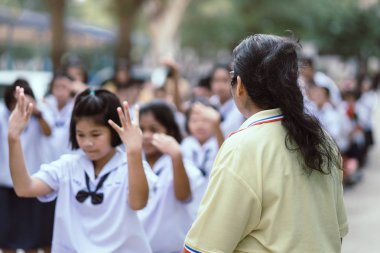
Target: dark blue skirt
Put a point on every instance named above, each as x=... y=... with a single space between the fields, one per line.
x=25 y=223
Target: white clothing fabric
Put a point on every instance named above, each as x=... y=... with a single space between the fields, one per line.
x=111 y=226
x=59 y=141
x=166 y=220
x=231 y=117
x=35 y=145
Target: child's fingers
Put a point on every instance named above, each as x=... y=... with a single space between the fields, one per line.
x=123 y=121
x=114 y=126
x=126 y=112
x=28 y=110
x=21 y=101
x=137 y=116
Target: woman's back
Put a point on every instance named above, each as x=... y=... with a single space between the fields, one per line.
x=281 y=207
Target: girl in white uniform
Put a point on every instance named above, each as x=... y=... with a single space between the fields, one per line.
x=205 y=135
x=60 y=104
x=170 y=210
x=205 y=138
x=97 y=190
x=25 y=223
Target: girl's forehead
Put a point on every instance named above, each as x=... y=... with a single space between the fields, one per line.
x=88 y=122
x=148 y=118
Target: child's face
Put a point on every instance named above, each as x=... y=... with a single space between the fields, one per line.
x=200 y=127
x=318 y=95
x=94 y=140
x=221 y=84
x=62 y=89
x=149 y=126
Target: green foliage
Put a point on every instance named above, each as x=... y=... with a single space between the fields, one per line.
x=335 y=26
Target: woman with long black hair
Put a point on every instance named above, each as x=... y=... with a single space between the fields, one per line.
x=276 y=184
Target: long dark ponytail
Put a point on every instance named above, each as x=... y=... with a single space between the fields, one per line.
x=268 y=68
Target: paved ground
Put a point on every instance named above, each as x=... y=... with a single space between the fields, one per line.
x=363 y=204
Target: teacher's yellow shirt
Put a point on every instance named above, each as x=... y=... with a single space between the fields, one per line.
x=260 y=199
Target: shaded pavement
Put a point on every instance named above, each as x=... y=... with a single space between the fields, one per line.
x=363 y=203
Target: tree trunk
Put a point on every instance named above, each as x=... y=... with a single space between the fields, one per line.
x=126 y=11
x=164 y=21
x=58 y=32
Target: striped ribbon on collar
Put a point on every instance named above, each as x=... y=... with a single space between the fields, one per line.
x=188 y=249
x=260 y=122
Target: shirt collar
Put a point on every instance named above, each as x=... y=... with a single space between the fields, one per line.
x=194 y=143
x=261 y=115
x=117 y=160
x=162 y=163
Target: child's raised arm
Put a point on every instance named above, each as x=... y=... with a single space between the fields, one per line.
x=131 y=135
x=24 y=184
x=168 y=145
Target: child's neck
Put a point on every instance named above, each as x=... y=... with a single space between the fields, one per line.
x=152 y=159
x=99 y=164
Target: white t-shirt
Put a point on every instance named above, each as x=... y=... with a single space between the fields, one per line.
x=34 y=143
x=111 y=226
x=166 y=220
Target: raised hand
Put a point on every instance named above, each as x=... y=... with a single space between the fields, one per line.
x=166 y=144
x=206 y=112
x=129 y=131
x=20 y=115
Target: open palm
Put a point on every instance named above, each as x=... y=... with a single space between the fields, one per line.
x=20 y=116
x=129 y=131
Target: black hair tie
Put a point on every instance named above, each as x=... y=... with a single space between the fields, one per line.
x=96 y=198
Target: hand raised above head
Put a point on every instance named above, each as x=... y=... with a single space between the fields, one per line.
x=20 y=115
x=129 y=131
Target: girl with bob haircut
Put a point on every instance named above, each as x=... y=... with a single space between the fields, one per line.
x=171 y=207
x=276 y=184
x=99 y=188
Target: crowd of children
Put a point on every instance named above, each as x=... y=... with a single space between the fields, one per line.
x=124 y=180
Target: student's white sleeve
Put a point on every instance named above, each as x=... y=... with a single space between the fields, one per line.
x=229 y=211
x=50 y=174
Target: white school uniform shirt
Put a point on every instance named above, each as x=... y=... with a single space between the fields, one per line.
x=202 y=156
x=231 y=117
x=166 y=220
x=59 y=141
x=367 y=103
x=336 y=123
x=34 y=145
x=111 y=226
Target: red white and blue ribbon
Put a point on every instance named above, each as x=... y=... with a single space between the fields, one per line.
x=188 y=249
x=260 y=122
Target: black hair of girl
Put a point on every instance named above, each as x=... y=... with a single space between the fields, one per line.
x=226 y=67
x=9 y=92
x=99 y=106
x=268 y=68
x=164 y=114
